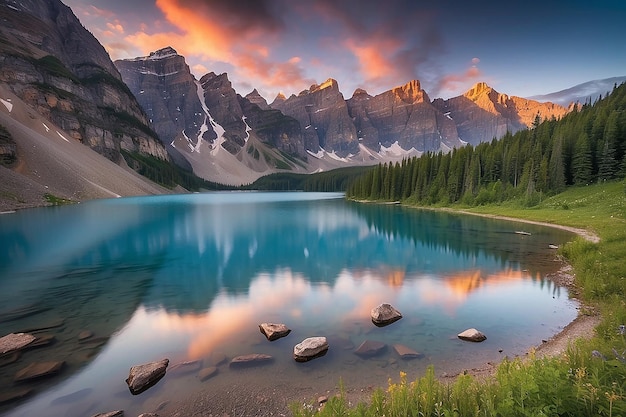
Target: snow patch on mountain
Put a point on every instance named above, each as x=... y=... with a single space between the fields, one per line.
x=146 y=71
x=248 y=129
x=217 y=128
x=7 y=103
x=62 y=137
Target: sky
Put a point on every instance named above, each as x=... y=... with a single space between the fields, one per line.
x=520 y=48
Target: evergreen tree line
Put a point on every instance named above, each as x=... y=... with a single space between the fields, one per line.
x=585 y=146
x=335 y=180
x=169 y=174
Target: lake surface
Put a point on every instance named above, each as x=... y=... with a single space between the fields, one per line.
x=190 y=278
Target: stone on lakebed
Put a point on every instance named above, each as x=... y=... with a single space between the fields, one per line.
x=274 y=331
x=250 y=360
x=38 y=370
x=15 y=341
x=370 y=348
x=385 y=314
x=472 y=335
x=207 y=373
x=406 y=352
x=310 y=348
x=142 y=377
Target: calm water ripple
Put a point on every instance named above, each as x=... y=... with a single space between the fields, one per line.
x=190 y=277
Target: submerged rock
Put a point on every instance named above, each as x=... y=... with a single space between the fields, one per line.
x=250 y=360
x=73 y=397
x=43 y=340
x=207 y=373
x=310 y=348
x=385 y=314
x=370 y=348
x=472 y=335
x=142 y=377
x=15 y=341
x=10 y=396
x=406 y=352
x=38 y=370
x=84 y=335
x=187 y=367
x=274 y=331
x=10 y=358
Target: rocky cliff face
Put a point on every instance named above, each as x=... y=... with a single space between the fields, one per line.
x=255 y=98
x=323 y=116
x=221 y=100
x=482 y=113
x=51 y=62
x=168 y=93
x=403 y=115
x=207 y=110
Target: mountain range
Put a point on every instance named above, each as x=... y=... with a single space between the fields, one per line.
x=317 y=129
x=58 y=85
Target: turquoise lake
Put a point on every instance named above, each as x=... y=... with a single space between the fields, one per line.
x=190 y=278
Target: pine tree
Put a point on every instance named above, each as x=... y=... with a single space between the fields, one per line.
x=556 y=168
x=582 y=164
x=607 y=164
x=376 y=183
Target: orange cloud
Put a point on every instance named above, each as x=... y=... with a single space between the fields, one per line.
x=372 y=63
x=116 y=26
x=95 y=11
x=199 y=69
x=455 y=81
x=222 y=33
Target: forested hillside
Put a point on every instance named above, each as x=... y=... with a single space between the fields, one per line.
x=585 y=146
x=328 y=181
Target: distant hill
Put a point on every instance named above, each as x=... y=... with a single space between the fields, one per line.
x=582 y=92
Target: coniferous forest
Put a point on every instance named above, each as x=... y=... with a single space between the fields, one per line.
x=587 y=145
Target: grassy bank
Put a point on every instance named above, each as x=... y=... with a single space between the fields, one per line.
x=589 y=380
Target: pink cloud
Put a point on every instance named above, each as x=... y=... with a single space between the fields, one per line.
x=116 y=26
x=453 y=82
x=220 y=32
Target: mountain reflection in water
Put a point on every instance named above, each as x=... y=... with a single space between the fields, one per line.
x=190 y=277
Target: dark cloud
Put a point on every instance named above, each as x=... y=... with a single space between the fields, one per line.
x=239 y=15
x=395 y=41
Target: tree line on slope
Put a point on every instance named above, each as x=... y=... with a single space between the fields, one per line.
x=585 y=146
x=336 y=180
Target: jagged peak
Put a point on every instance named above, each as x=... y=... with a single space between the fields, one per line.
x=477 y=90
x=280 y=97
x=359 y=92
x=166 y=52
x=212 y=76
x=411 y=92
x=329 y=83
x=480 y=89
x=256 y=98
x=162 y=53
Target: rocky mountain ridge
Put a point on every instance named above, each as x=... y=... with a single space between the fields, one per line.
x=52 y=63
x=206 y=124
x=363 y=129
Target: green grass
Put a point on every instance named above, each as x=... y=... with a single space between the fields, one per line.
x=57 y=201
x=589 y=380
